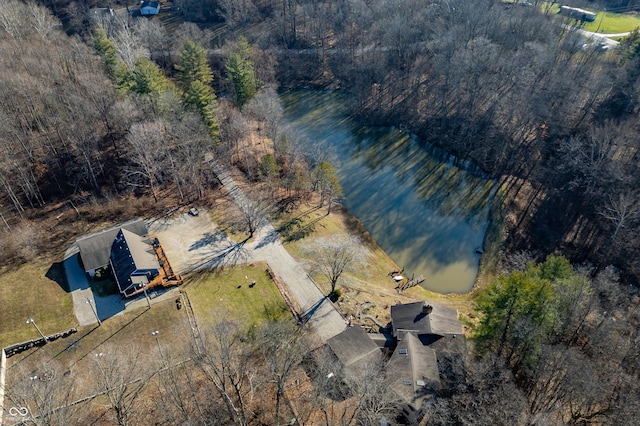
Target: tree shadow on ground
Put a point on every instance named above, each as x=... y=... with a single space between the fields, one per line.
x=271 y=237
x=295 y=229
x=56 y=272
x=227 y=256
x=208 y=239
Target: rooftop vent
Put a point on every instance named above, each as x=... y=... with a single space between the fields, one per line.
x=427 y=309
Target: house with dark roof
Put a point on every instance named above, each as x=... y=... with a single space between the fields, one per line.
x=428 y=322
x=133 y=261
x=150 y=8
x=427 y=343
x=137 y=262
x=95 y=249
x=412 y=373
x=354 y=349
x=427 y=336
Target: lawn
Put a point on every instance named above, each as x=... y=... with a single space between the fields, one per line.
x=613 y=23
x=34 y=290
x=606 y=22
x=121 y=335
x=131 y=328
x=232 y=293
x=208 y=292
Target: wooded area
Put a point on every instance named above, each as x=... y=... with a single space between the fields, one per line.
x=123 y=107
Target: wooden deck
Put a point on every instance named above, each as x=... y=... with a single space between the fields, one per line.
x=166 y=278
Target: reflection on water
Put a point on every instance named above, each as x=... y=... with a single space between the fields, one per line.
x=425 y=209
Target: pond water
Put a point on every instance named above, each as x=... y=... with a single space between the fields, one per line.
x=428 y=211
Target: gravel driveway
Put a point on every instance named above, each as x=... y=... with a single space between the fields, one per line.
x=191 y=242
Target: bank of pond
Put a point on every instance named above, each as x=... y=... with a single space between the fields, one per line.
x=426 y=209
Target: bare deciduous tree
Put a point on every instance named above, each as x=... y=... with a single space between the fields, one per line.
x=621 y=211
x=237 y=12
x=44 y=396
x=178 y=400
x=336 y=256
x=146 y=148
x=225 y=359
x=121 y=375
x=266 y=107
x=252 y=213
x=283 y=349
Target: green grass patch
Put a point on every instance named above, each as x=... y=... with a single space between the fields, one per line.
x=613 y=23
x=605 y=23
x=34 y=290
x=339 y=223
x=232 y=292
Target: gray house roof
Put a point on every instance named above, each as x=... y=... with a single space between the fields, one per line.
x=423 y=319
x=132 y=255
x=354 y=348
x=95 y=248
x=412 y=371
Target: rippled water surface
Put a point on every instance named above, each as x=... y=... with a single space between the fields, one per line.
x=424 y=208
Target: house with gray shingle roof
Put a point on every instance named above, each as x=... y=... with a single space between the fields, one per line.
x=424 y=335
x=424 y=320
x=127 y=250
x=354 y=348
x=95 y=248
x=412 y=373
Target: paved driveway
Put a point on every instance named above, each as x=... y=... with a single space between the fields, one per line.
x=79 y=286
x=320 y=313
x=191 y=242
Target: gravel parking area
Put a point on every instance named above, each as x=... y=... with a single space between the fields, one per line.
x=190 y=242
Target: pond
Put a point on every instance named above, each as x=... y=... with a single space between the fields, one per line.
x=427 y=210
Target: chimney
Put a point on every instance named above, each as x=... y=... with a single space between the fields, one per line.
x=427 y=309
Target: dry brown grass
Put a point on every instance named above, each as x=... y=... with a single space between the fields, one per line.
x=370 y=290
x=34 y=290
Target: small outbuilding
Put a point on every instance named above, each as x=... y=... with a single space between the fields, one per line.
x=150 y=8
